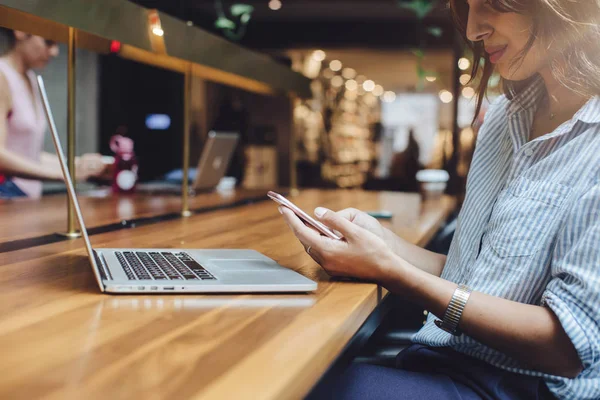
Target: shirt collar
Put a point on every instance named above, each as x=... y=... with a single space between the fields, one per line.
x=529 y=97
x=590 y=112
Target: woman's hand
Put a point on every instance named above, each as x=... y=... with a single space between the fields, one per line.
x=371 y=224
x=361 y=254
x=88 y=165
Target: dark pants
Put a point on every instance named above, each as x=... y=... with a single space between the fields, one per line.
x=435 y=373
x=9 y=190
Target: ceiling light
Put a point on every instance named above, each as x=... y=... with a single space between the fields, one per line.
x=319 y=55
x=369 y=85
x=351 y=85
x=275 y=5
x=335 y=65
x=463 y=63
x=446 y=96
x=349 y=73
x=464 y=79
x=378 y=90
x=389 y=97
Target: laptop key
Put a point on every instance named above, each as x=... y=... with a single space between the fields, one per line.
x=180 y=267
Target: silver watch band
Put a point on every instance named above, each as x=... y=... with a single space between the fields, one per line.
x=454 y=311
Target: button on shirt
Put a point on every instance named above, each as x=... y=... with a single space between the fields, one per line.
x=529 y=231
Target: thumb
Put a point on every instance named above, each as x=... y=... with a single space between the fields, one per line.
x=335 y=221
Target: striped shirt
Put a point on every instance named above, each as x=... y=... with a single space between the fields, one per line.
x=529 y=231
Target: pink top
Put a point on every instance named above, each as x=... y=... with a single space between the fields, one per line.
x=26 y=123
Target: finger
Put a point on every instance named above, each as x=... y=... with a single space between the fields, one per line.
x=306 y=235
x=337 y=222
x=349 y=213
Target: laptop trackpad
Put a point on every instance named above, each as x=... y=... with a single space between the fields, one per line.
x=246 y=265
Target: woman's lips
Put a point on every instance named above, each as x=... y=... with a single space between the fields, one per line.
x=496 y=53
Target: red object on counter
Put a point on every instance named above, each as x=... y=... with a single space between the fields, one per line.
x=126 y=167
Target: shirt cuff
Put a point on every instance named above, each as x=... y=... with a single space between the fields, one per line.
x=573 y=327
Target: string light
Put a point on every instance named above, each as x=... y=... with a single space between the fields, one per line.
x=464 y=79
x=369 y=85
x=468 y=92
x=446 y=96
x=378 y=90
x=349 y=73
x=360 y=79
x=351 y=85
x=158 y=31
x=335 y=65
x=319 y=55
x=190 y=23
x=275 y=5
x=327 y=73
x=389 y=97
x=463 y=63
x=431 y=78
x=337 y=81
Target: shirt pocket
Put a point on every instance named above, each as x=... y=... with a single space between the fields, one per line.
x=525 y=216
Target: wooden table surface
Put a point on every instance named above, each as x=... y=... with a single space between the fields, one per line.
x=61 y=339
x=49 y=214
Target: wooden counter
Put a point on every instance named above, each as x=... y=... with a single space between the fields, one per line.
x=49 y=214
x=61 y=339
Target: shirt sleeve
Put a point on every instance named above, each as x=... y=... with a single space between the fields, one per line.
x=573 y=293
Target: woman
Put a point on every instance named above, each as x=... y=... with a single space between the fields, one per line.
x=523 y=272
x=23 y=123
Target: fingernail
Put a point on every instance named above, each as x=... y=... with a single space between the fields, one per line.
x=280 y=210
x=320 y=211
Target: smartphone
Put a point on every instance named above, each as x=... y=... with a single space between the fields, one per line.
x=307 y=219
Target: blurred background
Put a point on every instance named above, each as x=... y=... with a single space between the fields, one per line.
x=391 y=95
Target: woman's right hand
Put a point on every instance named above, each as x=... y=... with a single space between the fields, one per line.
x=88 y=165
x=371 y=224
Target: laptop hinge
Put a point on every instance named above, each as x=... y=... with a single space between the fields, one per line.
x=104 y=271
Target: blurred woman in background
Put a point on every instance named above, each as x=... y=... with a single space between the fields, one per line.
x=23 y=164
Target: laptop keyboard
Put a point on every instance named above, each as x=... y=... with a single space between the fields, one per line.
x=161 y=266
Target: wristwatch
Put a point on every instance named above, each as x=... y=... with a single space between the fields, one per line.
x=454 y=311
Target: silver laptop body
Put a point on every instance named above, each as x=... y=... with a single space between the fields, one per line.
x=212 y=166
x=177 y=270
x=214 y=161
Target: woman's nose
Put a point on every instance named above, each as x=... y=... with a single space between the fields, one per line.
x=477 y=27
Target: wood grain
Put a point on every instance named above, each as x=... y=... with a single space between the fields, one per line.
x=48 y=215
x=61 y=339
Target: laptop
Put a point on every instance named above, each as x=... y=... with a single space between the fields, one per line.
x=212 y=166
x=128 y=270
x=214 y=160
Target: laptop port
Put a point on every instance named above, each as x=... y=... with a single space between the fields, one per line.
x=141 y=287
x=153 y=287
x=169 y=288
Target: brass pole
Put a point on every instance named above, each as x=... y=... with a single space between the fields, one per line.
x=72 y=46
x=187 y=105
x=293 y=149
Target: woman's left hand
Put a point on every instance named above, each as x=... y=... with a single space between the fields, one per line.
x=361 y=254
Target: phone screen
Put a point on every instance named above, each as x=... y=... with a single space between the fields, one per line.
x=323 y=229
